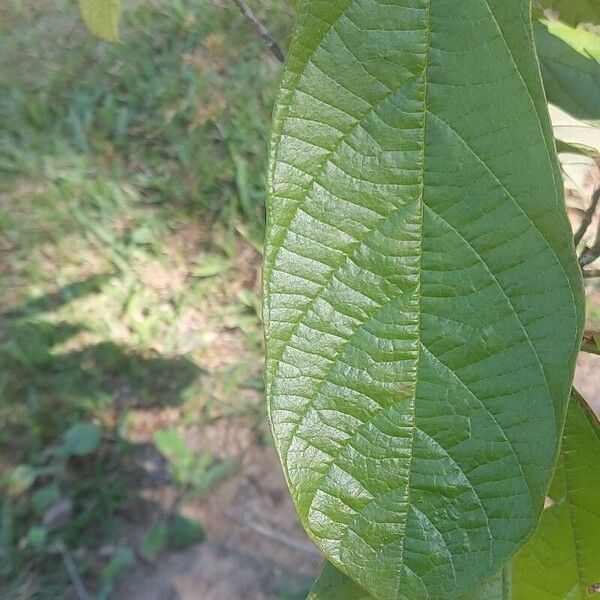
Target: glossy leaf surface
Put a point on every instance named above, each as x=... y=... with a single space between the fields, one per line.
x=562 y=560
x=423 y=304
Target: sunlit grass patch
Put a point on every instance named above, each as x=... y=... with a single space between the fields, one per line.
x=131 y=219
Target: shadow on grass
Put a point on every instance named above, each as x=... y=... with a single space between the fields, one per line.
x=59 y=388
x=50 y=382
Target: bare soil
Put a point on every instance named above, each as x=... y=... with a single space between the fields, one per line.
x=255 y=549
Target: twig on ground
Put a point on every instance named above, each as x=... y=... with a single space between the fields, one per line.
x=78 y=585
x=587 y=217
x=277 y=536
x=273 y=46
x=591 y=273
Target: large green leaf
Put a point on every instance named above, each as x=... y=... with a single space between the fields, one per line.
x=423 y=303
x=570 y=64
x=562 y=560
x=102 y=17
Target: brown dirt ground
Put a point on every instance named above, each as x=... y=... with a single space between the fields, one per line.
x=255 y=549
x=587 y=379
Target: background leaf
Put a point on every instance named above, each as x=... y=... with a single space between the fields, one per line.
x=102 y=17
x=561 y=561
x=154 y=540
x=574 y=11
x=81 y=439
x=21 y=479
x=570 y=63
x=423 y=304
x=184 y=532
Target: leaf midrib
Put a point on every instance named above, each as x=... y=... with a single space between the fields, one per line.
x=418 y=290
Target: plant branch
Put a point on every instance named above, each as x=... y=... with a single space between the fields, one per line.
x=591 y=273
x=78 y=585
x=269 y=40
x=587 y=217
x=590 y=342
x=272 y=534
x=591 y=254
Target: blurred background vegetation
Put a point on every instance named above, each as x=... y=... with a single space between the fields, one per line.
x=135 y=459
x=131 y=221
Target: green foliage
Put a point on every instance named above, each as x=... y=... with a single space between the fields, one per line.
x=570 y=64
x=197 y=473
x=118 y=564
x=561 y=560
x=422 y=297
x=155 y=539
x=105 y=158
x=177 y=534
x=102 y=17
x=81 y=439
x=183 y=533
x=130 y=175
x=20 y=479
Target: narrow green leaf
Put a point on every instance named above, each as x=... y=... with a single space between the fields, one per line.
x=37 y=537
x=102 y=17
x=561 y=561
x=570 y=64
x=423 y=303
x=574 y=11
x=154 y=540
x=21 y=479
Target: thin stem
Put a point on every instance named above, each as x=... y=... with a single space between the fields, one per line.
x=590 y=342
x=78 y=585
x=587 y=217
x=273 y=46
x=590 y=349
x=591 y=254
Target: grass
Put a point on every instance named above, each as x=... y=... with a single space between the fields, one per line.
x=131 y=219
